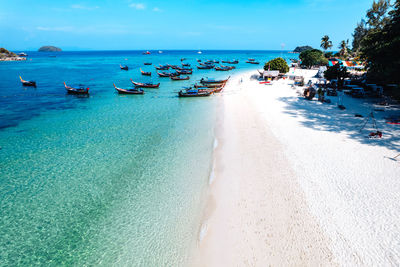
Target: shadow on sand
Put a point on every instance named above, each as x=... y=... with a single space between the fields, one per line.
x=328 y=117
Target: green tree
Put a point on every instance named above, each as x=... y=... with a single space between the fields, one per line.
x=377 y=14
x=277 y=64
x=359 y=34
x=312 y=58
x=343 y=48
x=326 y=43
x=381 y=50
x=336 y=72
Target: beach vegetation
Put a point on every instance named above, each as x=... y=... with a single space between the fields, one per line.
x=381 y=46
x=312 y=58
x=328 y=54
x=336 y=72
x=277 y=64
x=326 y=43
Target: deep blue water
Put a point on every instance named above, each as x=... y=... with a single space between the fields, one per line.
x=109 y=179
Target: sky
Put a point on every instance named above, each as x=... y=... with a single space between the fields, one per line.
x=173 y=24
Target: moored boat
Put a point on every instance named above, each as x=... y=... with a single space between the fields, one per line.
x=133 y=91
x=205 y=67
x=167 y=74
x=213 y=81
x=27 y=83
x=145 y=73
x=76 y=91
x=146 y=53
x=162 y=67
x=193 y=93
x=252 y=62
x=147 y=63
x=180 y=78
x=185 y=71
x=145 y=85
x=124 y=67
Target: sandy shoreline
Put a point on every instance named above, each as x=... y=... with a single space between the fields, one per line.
x=278 y=200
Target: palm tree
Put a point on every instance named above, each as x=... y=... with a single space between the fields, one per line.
x=326 y=43
x=343 y=48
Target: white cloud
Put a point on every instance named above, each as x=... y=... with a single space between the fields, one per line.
x=156 y=9
x=138 y=6
x=77 y=6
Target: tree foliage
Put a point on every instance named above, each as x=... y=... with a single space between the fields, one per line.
x=381 y=48
x=312 y=58
x=377 y=14
x=359 y=33
x=277 y=64
x=337 y=72
x=326 y=43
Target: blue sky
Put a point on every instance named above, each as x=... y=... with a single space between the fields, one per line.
x=173 y=24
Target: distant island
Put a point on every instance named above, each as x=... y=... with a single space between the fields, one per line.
x=300 y=49
x=6 y=55
x=49 y=48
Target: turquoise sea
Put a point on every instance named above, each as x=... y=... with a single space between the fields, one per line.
x=109 y=179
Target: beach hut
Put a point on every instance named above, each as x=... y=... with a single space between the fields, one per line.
x=270 y=74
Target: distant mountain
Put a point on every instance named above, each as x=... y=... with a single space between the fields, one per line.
x=300 y=49
x=49 y=48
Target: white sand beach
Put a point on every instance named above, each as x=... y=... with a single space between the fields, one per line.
x=297 y=184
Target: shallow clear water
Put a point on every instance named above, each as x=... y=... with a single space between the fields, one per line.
x=109 y=179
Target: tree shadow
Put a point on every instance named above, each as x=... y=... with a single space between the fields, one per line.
x=328 y=117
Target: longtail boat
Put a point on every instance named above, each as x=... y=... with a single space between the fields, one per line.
x=123 y=67
x=133 y=91
x=253 y=62
x=206 y=67
x=186 y=65
x=76 y=91
x=167 y=74
x=224 y=68
x=147 y=63
x=145 y=73
x=184 y=71
x=251 y=59
x=161 y=67
x=179 y=78
x=27 y=83
x=230 y=62
x=193 y=93
x=145 y=85
x=146 y=53
x=179 y=68
x=213 y=81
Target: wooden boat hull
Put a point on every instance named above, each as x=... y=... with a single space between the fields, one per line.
x=180 y=79
x=147 y=64
x=144 y=85
x=213 y=82
x=128 y=92
x=181 y=94
x=27 y=83
x=77 y=92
